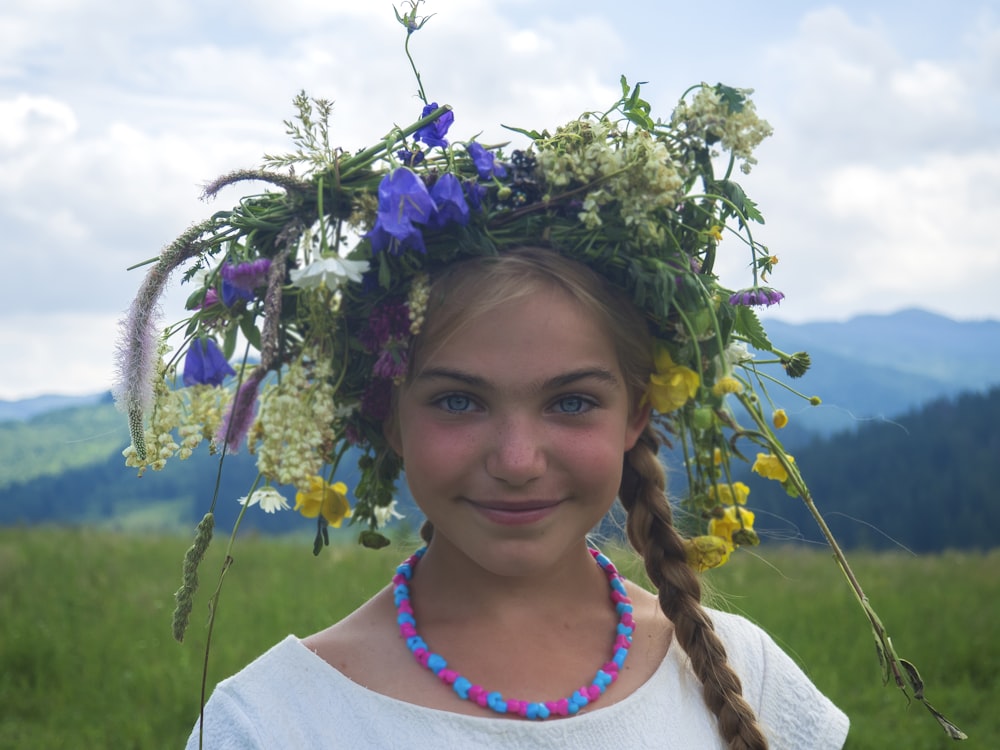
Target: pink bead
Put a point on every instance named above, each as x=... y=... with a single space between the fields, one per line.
x=407 y=630
x=627 y=619
x=405 y=606
x=559 y=708
x=611 y=668
x=475 y=691
x=619 y=598
x=593 y=692
x=517 y=707
x=448 y=675
x=622 y=642
x=422 y=656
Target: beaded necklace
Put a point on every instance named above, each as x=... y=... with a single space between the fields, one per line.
x=466 y=690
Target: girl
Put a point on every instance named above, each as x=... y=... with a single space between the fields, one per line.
x=520 y=419
x=521 y=332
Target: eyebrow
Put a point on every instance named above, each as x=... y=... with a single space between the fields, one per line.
x=559 y=381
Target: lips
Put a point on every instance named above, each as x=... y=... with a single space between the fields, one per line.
x=515 y=513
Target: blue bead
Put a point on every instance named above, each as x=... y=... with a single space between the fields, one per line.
x=602 y=560
x=619 y=657
x=617 y=585
x=495 y=701
x=624 y=629
x=436 y=662
x=461 y=686
x=414 y=642
x=532 y=711
x=405 y=570
x=621 y=608
x=405 y=617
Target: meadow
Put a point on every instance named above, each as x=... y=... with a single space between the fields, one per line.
x=87 y=659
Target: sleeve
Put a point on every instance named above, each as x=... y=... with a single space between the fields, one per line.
x=791 y=709
x=226 y=726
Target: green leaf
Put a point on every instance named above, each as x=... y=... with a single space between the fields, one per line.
x=748 y=324
x=250 y=331
x=733 y=98
x=229 y=342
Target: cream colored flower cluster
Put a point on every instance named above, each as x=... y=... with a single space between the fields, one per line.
x=708 y=116
x=204 y=408
x=416 y=303
x=631 y=170
x=189 y=415
x=294 y=428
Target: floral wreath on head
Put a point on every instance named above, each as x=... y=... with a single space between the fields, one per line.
x=327 y=280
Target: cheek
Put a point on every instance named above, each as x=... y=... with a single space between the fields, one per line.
x=596 y=456
x=433 y=451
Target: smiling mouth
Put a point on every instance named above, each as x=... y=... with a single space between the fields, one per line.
x=515 y=513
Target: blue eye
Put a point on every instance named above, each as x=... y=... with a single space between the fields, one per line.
x=456 y=402
x=573 y=405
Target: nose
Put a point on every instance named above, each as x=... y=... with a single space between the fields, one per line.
x=517 y=455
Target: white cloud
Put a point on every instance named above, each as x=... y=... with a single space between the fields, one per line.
x=68 y=353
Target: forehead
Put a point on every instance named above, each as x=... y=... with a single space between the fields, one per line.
x=542 y=333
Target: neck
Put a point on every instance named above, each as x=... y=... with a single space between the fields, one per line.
x=451 y=583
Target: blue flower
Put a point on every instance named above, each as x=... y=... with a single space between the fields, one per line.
x=433 y=134
x=204 y=364
x=410 y=158
x=231 y=294
x=758 y=296
x=485 y=162
x=450 y=200
x=475 y=193
x=402 y=200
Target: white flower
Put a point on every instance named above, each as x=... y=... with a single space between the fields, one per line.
x=736 y=353
x=270 y=500
x=328 y=272
x=384 y=515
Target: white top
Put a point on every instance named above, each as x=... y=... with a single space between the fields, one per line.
x=290 y=698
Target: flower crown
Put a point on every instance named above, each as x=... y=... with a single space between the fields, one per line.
x=326 y=282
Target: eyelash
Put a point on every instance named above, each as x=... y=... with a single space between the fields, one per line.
x=585 y=403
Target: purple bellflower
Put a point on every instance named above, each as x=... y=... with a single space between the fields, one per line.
x=204 y=364
x=239 y=280
x=449 y=198
x=485 y=161
x=402 y=199
x=433 y=134
x=758 y=296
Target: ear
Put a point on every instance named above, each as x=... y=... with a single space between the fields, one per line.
x=637 y=422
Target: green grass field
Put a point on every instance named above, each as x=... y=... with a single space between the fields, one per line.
x=87 y=660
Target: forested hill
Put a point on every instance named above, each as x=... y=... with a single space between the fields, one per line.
x=925 y=481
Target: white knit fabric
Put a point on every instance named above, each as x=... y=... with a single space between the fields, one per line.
x=290 y=698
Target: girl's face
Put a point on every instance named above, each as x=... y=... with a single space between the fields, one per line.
x=513 y=430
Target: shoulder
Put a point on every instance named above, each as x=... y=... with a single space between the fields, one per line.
x=258 y=703
x=792 y=710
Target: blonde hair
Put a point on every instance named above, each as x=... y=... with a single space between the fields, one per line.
x=466 y=290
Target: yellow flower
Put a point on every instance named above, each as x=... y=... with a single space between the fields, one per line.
x=769 y=466
x=733 y=520
x=325 y=498
x=671 y=385
x=705 y=552
x=727 y=384
x=729 y=494
x=715 y=233
x=780 y=419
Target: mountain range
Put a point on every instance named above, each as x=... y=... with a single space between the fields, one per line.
x=879 y=378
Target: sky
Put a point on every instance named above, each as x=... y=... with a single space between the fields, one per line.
x=880 y=186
